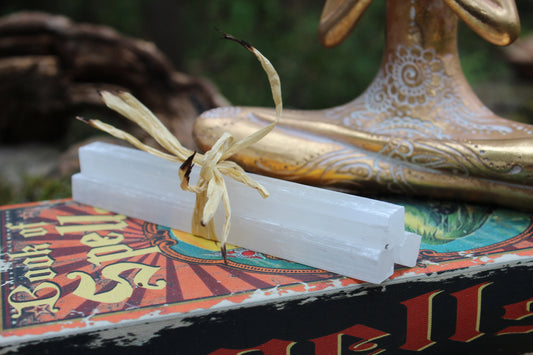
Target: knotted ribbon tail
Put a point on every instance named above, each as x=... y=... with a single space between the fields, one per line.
x=185 y=171
x=224 y=253
x=128 y=106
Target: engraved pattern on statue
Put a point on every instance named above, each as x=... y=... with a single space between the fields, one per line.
x=451 y=156
x=454 y=112
x=377 y=99
x=414 y=80
x=442 y=158
x=362 y=167
x=408 y=127
x=414 y=76
x=339 y=162
x=392 y=175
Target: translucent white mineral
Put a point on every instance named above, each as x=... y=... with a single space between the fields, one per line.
x=346 y=234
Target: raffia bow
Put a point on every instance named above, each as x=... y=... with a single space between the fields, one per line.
x=211 y=188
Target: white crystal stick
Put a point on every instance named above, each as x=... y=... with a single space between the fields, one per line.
x=349 y=235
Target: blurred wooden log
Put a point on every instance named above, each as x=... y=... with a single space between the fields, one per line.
x=50 y=67
x=520 y=56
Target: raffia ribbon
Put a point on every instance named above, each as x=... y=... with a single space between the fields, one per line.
x=211 y=188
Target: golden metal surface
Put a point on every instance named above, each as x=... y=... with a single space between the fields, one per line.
x=495 y=20
x=418 y=128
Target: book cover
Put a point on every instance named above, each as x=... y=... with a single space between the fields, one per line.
x=78 y=278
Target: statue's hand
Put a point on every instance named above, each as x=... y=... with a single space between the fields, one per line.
x=495 y=20
x=338 y=19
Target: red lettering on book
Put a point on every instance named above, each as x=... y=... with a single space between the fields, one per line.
x=518 y=311
x=468 y=313
x=419 y=321
x=271 y=347
x=369 y=335
x=332 y=343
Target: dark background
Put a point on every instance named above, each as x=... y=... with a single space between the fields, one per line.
x=284 y=31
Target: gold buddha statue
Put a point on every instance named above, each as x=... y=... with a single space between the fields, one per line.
x=418 y=129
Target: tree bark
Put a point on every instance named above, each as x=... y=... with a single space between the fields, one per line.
x=50 y=68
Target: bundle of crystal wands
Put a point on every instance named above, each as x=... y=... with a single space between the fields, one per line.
x=350 y=235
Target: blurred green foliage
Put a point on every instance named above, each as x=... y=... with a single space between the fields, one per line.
x=35 y=188
x=7 y=194
x=284 y=31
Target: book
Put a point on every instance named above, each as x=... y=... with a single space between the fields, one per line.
x=78 y=278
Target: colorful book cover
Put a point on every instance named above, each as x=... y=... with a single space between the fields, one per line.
x=75 y=277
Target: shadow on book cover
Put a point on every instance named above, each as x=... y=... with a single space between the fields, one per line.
x=78 y=278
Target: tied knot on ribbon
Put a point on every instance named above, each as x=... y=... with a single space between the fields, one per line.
x=210 y=188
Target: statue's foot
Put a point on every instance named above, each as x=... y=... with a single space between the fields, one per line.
x=315 y=147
